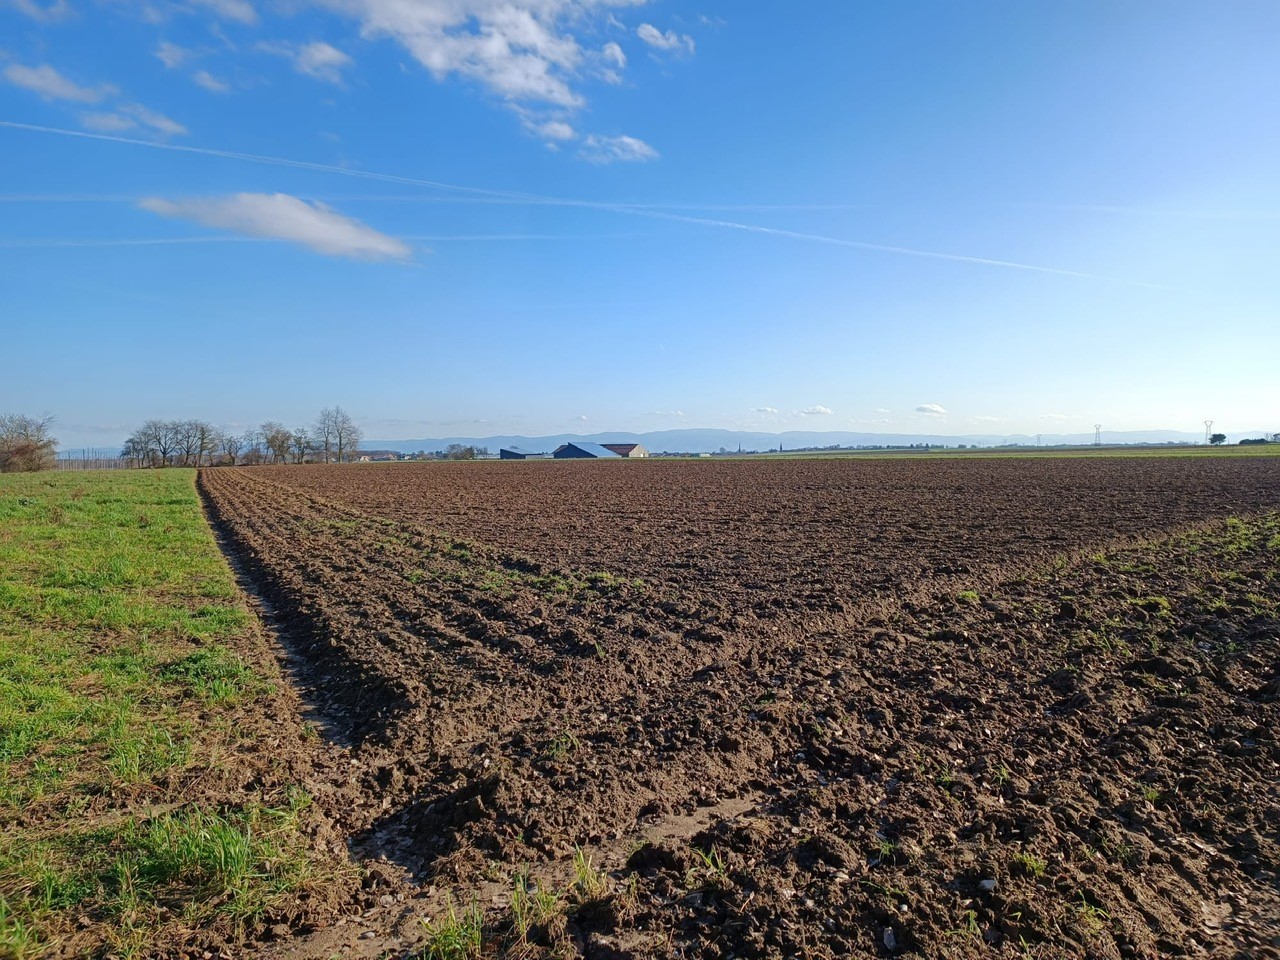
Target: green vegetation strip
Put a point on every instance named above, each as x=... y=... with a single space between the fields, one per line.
x=119 y=684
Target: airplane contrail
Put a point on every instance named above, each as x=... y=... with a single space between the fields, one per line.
x=887 y=248
x=271 y=161
x=40 y=242
x=144 y=242
x=622 y=208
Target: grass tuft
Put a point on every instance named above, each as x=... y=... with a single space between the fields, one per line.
x=455 y=936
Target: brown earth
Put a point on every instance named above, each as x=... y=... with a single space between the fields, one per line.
x=910 y=708
x=808 y=536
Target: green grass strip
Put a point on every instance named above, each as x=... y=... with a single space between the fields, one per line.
x=118 y=622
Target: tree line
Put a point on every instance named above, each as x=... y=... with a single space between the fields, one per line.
x=333 y=438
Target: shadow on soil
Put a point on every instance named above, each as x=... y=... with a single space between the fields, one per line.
x=348 y=703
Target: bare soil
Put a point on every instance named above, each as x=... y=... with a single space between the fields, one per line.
x=808 y=708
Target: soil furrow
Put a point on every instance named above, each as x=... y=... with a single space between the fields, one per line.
x=988 y=741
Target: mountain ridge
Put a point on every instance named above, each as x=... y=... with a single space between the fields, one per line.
x=710 y=440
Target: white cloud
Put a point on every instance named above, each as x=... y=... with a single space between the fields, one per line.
x=768 y=410
x=665 y=41
x=133 y=116
x=521 y=50
x=554 y=130
x=612 y=61
x=316 y=59
x=280 y=216
x=600 y=149
x=612 y=53
x=679 y=414
x=880 y=410
x=984 y=419
x=49 y=13
x=52 y=85
x=240 y=11
x=321 y=61
x=172 y=55
x=158 y=122
x=817 y=410
x=211 y=83
x=1055 y=417
x=931 y=410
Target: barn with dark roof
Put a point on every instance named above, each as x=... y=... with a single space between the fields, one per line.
x=583 y=450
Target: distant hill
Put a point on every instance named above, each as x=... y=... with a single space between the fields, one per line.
x=695 y=440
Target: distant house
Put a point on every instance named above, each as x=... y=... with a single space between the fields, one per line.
x=632 y=450
x=519 y=453
x=582 y=450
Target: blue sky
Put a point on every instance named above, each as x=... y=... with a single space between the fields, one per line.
x=472 y=217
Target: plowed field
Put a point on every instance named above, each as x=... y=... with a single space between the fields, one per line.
x=808 y=535
x=805 y=708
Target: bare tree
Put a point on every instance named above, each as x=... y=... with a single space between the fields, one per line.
x=157 y=437
x=25 y=443
x=303 y=444
x=208 y=439
x=187 y=441
x=253 y=447
x=231 y=444
x=346 y=435
x=456 y=451
x=278 y=439
x=135 y=450
x=324 y=434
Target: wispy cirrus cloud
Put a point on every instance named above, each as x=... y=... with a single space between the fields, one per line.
x=931 y=410
x=241 y=11
x=322 y=61
x=614 y=59
x=623 y=149
x=669 y=41
x=43 y=13
x=319 y=60
x=172 y=55
x=279 y=216
x=133 y=116
x=50 y=84
x=552 y=131
x=211 y=83
x=122 y=117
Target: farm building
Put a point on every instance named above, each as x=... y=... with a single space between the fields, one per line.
x=519 y=453
x=582 y=450
x=632 y=450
